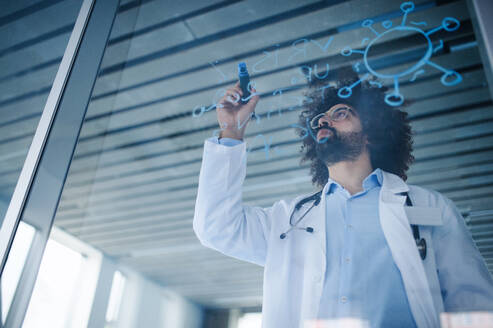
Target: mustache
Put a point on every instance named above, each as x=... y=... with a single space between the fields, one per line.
x=326 y=126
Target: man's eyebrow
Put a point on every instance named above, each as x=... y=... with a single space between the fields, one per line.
x=341 y=106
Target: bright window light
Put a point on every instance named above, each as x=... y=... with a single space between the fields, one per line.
x=115 y=297
x=56 y=288
x=250 y=320
x=15 y=264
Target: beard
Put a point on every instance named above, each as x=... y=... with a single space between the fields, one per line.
x=340 y=146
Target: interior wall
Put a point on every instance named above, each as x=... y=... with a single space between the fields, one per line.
x=217 y=318
x=145 y=303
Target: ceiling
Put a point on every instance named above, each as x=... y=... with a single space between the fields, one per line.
x=133 y=180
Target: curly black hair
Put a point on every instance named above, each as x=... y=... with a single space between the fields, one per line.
x=387 y=128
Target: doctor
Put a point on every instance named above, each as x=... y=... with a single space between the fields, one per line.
x=356 y=249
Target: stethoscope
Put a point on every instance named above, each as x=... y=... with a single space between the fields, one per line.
x=317 y=198
x=420 y=242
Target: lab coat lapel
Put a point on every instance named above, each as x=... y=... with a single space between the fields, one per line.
x=397 y=231
x=313 y=284
x=317 y=217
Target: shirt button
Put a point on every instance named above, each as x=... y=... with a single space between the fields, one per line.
x=343 y=299
x=347 y=259
x=350 y=226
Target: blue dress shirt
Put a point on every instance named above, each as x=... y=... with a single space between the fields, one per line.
x=361 y=279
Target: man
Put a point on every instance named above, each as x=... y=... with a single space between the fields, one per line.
x=360 y=250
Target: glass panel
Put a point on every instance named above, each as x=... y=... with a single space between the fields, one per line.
x=132 y=186
x=33 y=37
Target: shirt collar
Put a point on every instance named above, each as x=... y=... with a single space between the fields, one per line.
x=374 y=179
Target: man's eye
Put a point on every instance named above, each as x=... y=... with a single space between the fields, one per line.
x=340 y=113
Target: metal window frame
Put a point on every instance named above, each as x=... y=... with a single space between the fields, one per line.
x=480 y=12
x=40 y=184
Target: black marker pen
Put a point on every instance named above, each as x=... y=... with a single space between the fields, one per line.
x=244 y=82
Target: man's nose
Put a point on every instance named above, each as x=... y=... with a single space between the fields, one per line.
x=326 y=120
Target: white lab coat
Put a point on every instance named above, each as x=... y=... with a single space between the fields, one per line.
x=453 y=277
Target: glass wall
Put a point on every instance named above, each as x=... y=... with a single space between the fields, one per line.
x=133 y=180
x=33 y=38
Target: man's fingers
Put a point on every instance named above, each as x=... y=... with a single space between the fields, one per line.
x=232 y=96
x=226 y=101
x=237 y=89
x=232 y=99
x=223 y=105
x=254 y=99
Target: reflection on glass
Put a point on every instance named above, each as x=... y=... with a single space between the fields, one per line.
x=33 y=38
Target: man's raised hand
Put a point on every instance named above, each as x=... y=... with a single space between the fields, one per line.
x=232 y=114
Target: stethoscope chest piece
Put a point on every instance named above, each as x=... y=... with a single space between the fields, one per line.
x=308 y=229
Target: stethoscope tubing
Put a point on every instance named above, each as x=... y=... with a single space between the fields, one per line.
x=420 y=242
x=308 y=229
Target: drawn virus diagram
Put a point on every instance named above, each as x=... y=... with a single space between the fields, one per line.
x=395 y=98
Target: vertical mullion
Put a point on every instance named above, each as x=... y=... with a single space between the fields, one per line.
x=480 y=12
